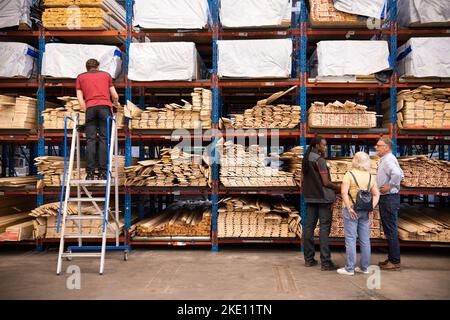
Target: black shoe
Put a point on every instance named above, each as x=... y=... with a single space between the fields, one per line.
x=329 y=267
x=90 y=176
x=311 y=263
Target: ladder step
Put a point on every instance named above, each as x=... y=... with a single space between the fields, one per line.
x=88 y=182
x=85 y=217
x=82 y=255
x=86 y=199
x=82 y=236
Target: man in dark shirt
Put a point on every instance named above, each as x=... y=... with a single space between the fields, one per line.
x=94 y=91
x=319 y=195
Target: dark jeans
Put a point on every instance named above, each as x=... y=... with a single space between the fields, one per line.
x=323 y=213
x=96 y=118
x=389 y=205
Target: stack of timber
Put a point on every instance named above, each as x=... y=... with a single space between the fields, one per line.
x=184 y=218
x=340 y=115
x=422 y=108
x=257 y=217
x=83 y=15
x=175 y=168
x=46 y=220
x=247 y=168
x=416 y=223
x=18 y=113
x=423 y=172
x=15 y=222
x=195 y=115
x=340 y=166
x=18 y=182
x=52 y=169
x=293 y=162
x=265 y=116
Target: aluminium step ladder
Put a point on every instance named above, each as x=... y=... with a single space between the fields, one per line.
x=104 y=214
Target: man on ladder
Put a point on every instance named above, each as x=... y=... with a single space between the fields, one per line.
x=94 y=91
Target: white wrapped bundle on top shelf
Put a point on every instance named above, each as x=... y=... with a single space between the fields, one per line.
x=424 y=57
x=165 y=61
x=64 y=60
x=15 y=13
x=17 y=60
x=267 y=58
x=170 y=14
x=369 y=8
x=349 y=60
x=255 y=13
x=423 y=13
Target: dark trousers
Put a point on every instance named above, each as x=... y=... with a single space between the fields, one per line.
x=96 y=118
x=389 y=205
x=323 y=213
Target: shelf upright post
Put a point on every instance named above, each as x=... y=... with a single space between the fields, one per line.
x=393 y=63
x=41 y=107
x=215 y=123
x=303 y=78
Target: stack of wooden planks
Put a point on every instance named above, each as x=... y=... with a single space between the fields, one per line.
x=293 y=162
x=15 y=222
x=421 y=108
x=423 y=172
x=416 y=223
x=323 y=14
x=174 y=168
x=247 y=168
x=340 y=166
x=184 y=218
x=18 y=182
x=52 y=169
x=257 y=217
x=83 y=15
x=195 y=115
x=46 y=220
x=340 y=115
x=18 y=113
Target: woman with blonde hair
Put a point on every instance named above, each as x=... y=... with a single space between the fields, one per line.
x=358 y=187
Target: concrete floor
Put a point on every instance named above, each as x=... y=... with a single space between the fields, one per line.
x=233 y=273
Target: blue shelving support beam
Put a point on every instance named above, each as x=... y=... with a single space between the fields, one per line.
x=41 y=107
x=393 y=63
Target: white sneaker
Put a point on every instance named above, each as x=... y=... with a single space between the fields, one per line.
x=358 y=269
x=345 y=272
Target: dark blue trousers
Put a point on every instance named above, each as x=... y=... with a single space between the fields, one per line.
x=389 y=205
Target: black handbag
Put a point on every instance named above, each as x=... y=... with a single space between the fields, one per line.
x=364 y=198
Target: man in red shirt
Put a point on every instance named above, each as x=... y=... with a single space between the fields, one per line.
x=94 y=91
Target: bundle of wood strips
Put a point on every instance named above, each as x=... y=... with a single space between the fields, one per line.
x=423 y=172
x=18 y=182
x=324 y=14
x=195 y=115
x=293 y=162
x=340 y=166
x=340 y=115
x=15 y=222
x=18 y=113
x=257 y=217
x=175 y=168
x=184 y=218
x=247 y=168
x=422 y=108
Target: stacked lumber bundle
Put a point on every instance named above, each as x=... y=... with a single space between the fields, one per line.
x=293 y=162
x=15 y=222
x=247 y=168
x=422 y=108
x=340 y=115
x=417 y=223
x=18 y=113
x=324 y=14
x=174 y=168
x=423 y=172
x=52 y=169
x=46 y=220
x=83 y=15
x=257 y=217
x=18 y=182
x=193 y=115
x=187 y=218
x=339 y=167
x=337 y=224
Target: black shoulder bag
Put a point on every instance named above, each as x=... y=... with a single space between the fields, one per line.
x=364 y=198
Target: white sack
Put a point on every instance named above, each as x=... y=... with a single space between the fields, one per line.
x=423 y=11
x=369 y=8
x=17 y=59
x=13 y=12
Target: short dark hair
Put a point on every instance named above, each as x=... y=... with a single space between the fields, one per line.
x=92 y=64
x=388 y=142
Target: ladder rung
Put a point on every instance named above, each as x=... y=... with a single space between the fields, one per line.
x=86 y=199
x=87 y=182
x=85 y=217
x=82 y=236
x=82 y=255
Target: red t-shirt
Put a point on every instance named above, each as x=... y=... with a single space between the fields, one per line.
x=95 y=86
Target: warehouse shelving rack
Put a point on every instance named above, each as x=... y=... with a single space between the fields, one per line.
x=302 y=35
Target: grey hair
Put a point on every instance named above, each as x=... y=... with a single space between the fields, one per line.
x=361 y=161
x=388 y=142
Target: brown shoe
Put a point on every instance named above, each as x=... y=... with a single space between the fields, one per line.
x=390 y=266
x=383 y=263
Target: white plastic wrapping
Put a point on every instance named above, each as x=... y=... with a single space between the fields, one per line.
x=255 y=58
x=13 y=12
x=63 y=60
x=424 y=57
x=369 y=8
x=170 y=14
x=254 y=13
x=160 y=61
x=423 y=11
x=352 y=57
x=17 y=59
